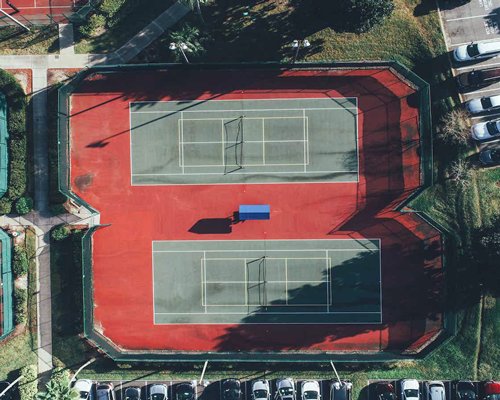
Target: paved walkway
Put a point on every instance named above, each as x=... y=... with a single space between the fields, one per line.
x=41 y=219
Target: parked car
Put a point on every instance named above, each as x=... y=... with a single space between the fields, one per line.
x=185 y=391
x=410 y=389
x=158 y=392
x=260 y=390
x=231 y=389
x=4 y=385
x=310 y=390
x=491 y=390
x=465 y=390
x=478 y=78
x=385 y=391
x=489 y=130
x=132 y=393
x=483 y=104
x=435 y=390
x=489 y=157
x=285 y=389
x=477 y=51
x=340 y=390
x=105 y=391
x=84 y=389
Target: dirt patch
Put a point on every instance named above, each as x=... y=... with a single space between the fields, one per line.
x=24 y=78
x=82 y=182
x=55 y=76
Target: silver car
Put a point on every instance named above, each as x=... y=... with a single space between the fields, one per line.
x=285 y=389
x=483 y=104
x=486 y=130
x=158 y=392
x=310 y=390
x=84 y=389
x=261 y=390
x=436 y=391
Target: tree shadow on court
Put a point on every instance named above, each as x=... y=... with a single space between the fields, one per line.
x=207 y=226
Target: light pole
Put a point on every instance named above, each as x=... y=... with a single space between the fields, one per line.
x=79 y=369
x=182 y=47
x=296 y=44
x=10 y=386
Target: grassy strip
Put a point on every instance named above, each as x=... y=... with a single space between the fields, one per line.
x=124 y=26
x=41 y=40
x=489 y=362
x=30 y=245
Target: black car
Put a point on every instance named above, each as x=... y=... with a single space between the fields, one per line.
x=490 y=156
x=132 y=393
x=465 y=390
x=231 y=389
x=185 y=391
x=385 y=391
x=340 y=390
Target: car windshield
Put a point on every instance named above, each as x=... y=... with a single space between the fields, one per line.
x=157 y=396
x=310 y=395
x=495 y=156
x=492 y=128
x=84 y=394
x=260 y=394
x=495 y=396
x=231 y=393
x=486 y=102
x=388 y=396
x=475 y=76
x=467 y=394
x=473 y=50
x=411 y=393
x=286 y=391
x=184 y=394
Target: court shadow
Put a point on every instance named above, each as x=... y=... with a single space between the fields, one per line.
x=207 y=226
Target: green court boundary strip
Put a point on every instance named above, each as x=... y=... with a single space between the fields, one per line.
x=4 y=151
x=7 y=285
x=426 y=179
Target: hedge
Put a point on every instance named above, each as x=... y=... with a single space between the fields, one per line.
x=20 y=305
x=16 y=125
x=60 y=232
x=20 y=261
x=28 y=386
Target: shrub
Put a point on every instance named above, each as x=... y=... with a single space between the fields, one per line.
x=24 y=205
x=5 y=205
x=20 y=305
x=94 y=26
x=28 y=386
x=190 y=36
x=461 y=173
x=20 y=262
x=455 y=127
x=60 y=232
x=111 y=7
x=58 y=387
x=356 y=15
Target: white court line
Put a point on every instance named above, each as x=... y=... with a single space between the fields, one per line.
x=268 y=258
x=328 y=289
x=246 y=173
x=263 y=142
x=471 y=17
x=153 y=282
x=275 y=313
x=263 y=110
x=286 y=281
x=205 y=278
x=231 y=119
x=380 y=283
x=305 y=145
x=235 y=100
x=131 y=146
x=229 y=165
x=252 y=141
x=267 y=250
x=223 y=144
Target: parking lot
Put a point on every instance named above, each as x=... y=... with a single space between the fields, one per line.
x=212 y=390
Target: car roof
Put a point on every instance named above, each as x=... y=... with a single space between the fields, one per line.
x=488 y=47
x=492 y=387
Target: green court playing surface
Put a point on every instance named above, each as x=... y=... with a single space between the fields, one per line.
x=272 y=281
x=252 y=141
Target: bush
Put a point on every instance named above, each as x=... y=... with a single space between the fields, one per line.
x=28 y=386
x=20 y=262
x=20 y=305
x=94 y=26
x=461 y=173
x=455 y=127
x=24 y=205
x=58 y=388
x=60 y=232
x=356 y=15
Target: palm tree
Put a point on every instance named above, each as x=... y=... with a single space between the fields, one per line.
x=189 y=36
x=196 y=4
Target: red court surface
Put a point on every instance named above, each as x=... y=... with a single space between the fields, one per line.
x=412 y=275
x=37 y=11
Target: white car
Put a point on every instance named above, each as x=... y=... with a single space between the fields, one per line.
x=158 y=391
x=260 y=390
x=285 y=389
x=410 y=389
x=476 y=51
x=436 y=391
x=487 y=103
x=84 y=389
x=486 y=130
x=310 y=390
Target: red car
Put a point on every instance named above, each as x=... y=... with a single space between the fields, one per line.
x=492 y=390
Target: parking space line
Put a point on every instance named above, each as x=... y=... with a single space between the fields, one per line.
x=483 y=91
x=471 y=67
x=471 y=17
x=488 y=116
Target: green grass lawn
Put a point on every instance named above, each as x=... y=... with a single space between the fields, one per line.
x=41 y=40
x=139 y=16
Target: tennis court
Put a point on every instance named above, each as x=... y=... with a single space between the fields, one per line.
x=251 y=141
x=272 y=281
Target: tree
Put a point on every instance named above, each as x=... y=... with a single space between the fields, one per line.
x=190 y=36
x=60 y=232
x=356 y=15
x=58 y=388
x=461 y=173
x=455 y=127
x=196 y=5
x=28 y=386
x=24 y=205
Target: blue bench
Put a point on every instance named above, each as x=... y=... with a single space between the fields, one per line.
x=254 y=212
